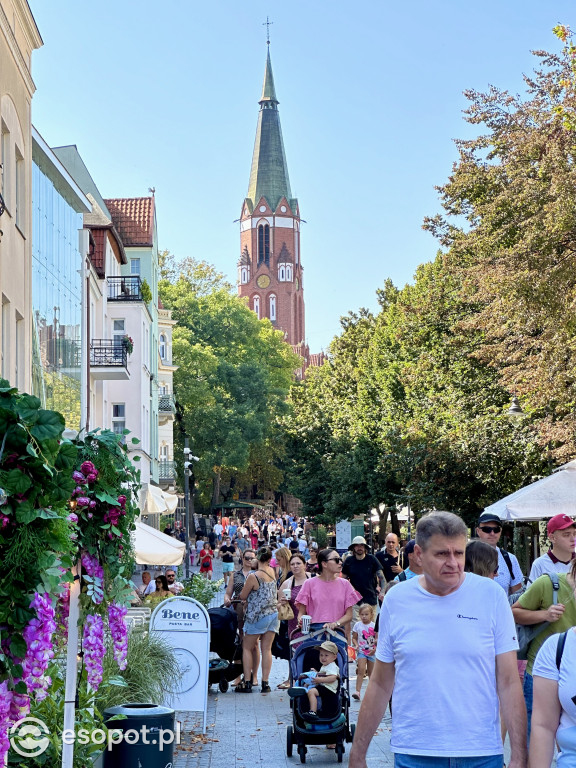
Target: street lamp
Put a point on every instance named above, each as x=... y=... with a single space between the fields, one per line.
x=515 y=413
x=188 y=459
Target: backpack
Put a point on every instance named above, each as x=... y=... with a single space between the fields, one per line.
x=526 y=634
x=560 y=648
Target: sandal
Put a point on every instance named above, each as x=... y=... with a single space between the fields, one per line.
x=244 y=687
x=284 y=686
x=265 y=688
x=356 y=696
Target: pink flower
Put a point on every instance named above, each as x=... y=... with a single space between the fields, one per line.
x=94 y=649
x=92 y=504
x=122 y=500
x=73 y=517
x=119 y=632
x=88 y=468
x=78 y=477
x=83 y=501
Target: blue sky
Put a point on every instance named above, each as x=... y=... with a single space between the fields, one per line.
x=165 y=95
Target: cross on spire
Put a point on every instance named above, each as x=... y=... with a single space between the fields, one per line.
x=267 y=24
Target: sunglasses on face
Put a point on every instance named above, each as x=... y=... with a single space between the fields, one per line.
x=334 y=560
x=490 y=528
x=170 y=575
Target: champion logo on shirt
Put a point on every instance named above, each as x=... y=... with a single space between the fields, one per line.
x=470 y=618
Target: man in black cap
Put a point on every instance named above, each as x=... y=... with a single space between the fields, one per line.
x=509 y=575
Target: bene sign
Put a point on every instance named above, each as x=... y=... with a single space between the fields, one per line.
x=184 y=624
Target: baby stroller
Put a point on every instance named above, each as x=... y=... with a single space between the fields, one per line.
x=225 y=661
x=335 y=729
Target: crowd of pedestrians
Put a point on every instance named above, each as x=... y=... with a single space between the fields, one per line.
x=434 y=625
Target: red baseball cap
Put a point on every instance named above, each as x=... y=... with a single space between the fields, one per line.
x=559 y=522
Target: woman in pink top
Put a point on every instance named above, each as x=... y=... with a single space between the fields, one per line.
x=327 y=598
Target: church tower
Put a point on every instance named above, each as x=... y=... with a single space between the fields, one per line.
x=269 y=268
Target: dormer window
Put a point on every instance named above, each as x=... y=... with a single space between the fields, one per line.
x=288 y=273
x=285 y=273
x=282 y=273
x=244 y=275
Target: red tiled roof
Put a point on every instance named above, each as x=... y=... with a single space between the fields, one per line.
x=133 y=217
x=97 y=256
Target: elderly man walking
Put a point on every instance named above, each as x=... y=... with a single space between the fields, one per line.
x=447 y=649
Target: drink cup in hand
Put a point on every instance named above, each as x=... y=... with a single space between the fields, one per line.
x=306 y=623
x=287 y=593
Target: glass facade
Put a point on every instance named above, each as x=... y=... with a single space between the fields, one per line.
x=56 y=300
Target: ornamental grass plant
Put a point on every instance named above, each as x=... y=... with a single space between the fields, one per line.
x=152 y=670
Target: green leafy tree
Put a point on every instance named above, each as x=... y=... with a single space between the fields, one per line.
x=234 y=373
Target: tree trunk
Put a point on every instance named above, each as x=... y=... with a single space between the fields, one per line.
x=215 y=489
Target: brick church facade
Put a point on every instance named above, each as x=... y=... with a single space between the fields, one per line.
x=270 y=273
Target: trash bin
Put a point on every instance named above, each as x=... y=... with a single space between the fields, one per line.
x=147 y=738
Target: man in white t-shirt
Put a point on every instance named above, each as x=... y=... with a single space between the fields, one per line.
x=447 y=649
x=218 y=529
x=509 y=574
x=562 y=534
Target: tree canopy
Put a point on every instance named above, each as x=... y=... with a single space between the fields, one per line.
x=234 y=372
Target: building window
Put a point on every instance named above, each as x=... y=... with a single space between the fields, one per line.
x=118 y=418
x=19 y=350
x=20 y=197
x=244 y=275
x=118 y=331
x=163 y=346
x=272 y=313
x=134 y=266
x=288 y=273
x=282 y=273
x=264 y=244
x=164 y=455
x=163 y=389
x=256 y=306
x=5 y=338
x=6 y=165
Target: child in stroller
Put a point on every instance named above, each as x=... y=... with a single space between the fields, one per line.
x=320 y=715
x=323 y=684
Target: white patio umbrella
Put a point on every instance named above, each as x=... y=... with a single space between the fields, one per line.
x=155 y=501
x=552 y=495
x=153 y=547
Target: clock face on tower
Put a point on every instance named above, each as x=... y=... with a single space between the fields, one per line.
x=263 y=281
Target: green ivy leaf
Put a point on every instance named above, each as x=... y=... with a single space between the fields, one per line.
x=18 y=645
x=25 y=513
x=67 y=456
x=49 y=425
x=21 y=687
x=27 y=408
x=107 y=498
x=15 y=481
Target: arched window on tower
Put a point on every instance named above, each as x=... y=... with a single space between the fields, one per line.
x=264 y=244
x=272 y=313
x=244 y=275
x=282 y=273
x=288 y=273
x=256 y=306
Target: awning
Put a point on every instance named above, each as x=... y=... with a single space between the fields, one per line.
x=153 y=547
x=155 y=501
x=552 y=495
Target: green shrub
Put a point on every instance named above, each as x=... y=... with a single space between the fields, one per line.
x=152 y=670
x=201 y=589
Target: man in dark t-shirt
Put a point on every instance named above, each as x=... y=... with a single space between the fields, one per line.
x=226 y=554
x=364 y=573
x=388 y=557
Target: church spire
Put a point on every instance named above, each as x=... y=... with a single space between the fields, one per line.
x=269 y=173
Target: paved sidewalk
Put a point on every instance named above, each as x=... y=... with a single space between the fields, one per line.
x=250 y=729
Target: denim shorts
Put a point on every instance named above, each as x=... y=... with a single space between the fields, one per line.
x=361 y=655
x=267 y=623
x=425 y=761
x=227 y=567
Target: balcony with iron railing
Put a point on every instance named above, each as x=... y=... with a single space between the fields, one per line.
x=166 y=404
x=125 y=288
x=108 y=360
x=166 y=471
